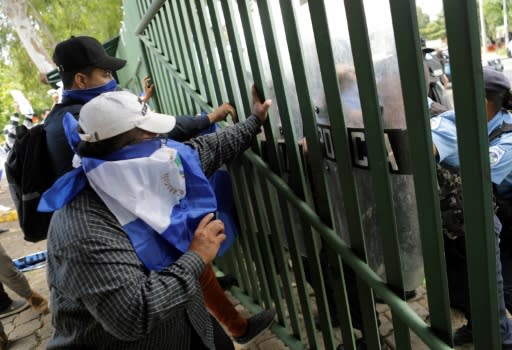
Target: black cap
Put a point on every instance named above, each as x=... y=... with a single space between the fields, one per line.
x=495 y=81
x=424 y=47
x=83 y=51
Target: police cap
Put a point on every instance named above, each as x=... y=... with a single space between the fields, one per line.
x=495 y=81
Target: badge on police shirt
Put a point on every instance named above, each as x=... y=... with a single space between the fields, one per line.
x=435 y=122
x=495 y=154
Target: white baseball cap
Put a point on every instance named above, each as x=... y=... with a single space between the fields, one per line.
x=113 y=113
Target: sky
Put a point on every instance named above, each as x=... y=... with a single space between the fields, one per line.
x=430 y=7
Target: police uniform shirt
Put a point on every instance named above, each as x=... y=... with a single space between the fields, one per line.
x=444 y=137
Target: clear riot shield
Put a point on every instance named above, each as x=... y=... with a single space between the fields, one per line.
x=390 y=98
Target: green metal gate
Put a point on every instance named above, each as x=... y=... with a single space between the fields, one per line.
x=347 y=77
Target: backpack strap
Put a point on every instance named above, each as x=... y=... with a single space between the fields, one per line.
x=502 y=129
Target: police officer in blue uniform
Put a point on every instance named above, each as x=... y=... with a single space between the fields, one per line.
x=444 y=137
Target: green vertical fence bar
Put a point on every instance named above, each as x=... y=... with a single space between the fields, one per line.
x=171 y=93
x=377 y=155
x=147 y=10
x=150 y=62
x=231 y=262
x=210 y=53
x=254 y=58
x=186 y=96
x=247 y=222
x=174 y=62
x=270 y=277
x=259 y=233
x=270 y=127
x=277 y=237
x=418 y=125
x=205 y=68
x=170 y=84
x=188 y=55
x=174 y=43
x=287 y=225
x=193 y=53
x=144 y=30
x=162 y=90
x=169 y=52
x=237 y=53
x=296 y=177
x=342 y=152
x=464 y=47
x=184 y=103
x=257 y=229
x=227 y=69
x=159 y=40
x=152 y=33
x=243 y=274
x=322 y=202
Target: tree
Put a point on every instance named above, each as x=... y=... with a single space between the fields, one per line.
x=23 y=25
x=493 y=16
x=435 y=29
x=430 y=29
x=423 y=18
x=52 y=21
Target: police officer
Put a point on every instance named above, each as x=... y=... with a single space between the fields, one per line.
x=436 y=80
x=444 y=137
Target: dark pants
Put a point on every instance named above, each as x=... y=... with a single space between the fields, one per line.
x=506 y=265
x=5 y=301
x=504 y=213
x=455 y=251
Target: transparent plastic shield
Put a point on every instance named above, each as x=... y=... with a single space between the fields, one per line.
x=391 y=105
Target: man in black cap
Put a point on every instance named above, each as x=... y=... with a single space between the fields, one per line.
x=435 y=79
x=87 y=71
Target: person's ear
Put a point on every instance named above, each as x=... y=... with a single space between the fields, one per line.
x=80 y=81
x=490 y=109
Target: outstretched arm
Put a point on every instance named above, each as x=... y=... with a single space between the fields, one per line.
x=224 y=145
x=188 y=126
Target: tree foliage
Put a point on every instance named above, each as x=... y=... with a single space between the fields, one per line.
x=493 y=17
x=493 y=10
x=434 y=30
x=55 y=20
x=423 y=18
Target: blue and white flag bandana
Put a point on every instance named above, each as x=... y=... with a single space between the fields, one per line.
x=157 y=191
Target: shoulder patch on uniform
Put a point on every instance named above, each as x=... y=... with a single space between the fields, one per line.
x=495 y=154
x=435 y=122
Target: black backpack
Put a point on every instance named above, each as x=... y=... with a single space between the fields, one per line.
x=29 y=174
x=450 y=193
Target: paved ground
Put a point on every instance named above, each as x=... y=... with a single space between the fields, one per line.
x=29 y=330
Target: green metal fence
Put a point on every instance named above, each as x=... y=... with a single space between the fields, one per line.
x=347 y=77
